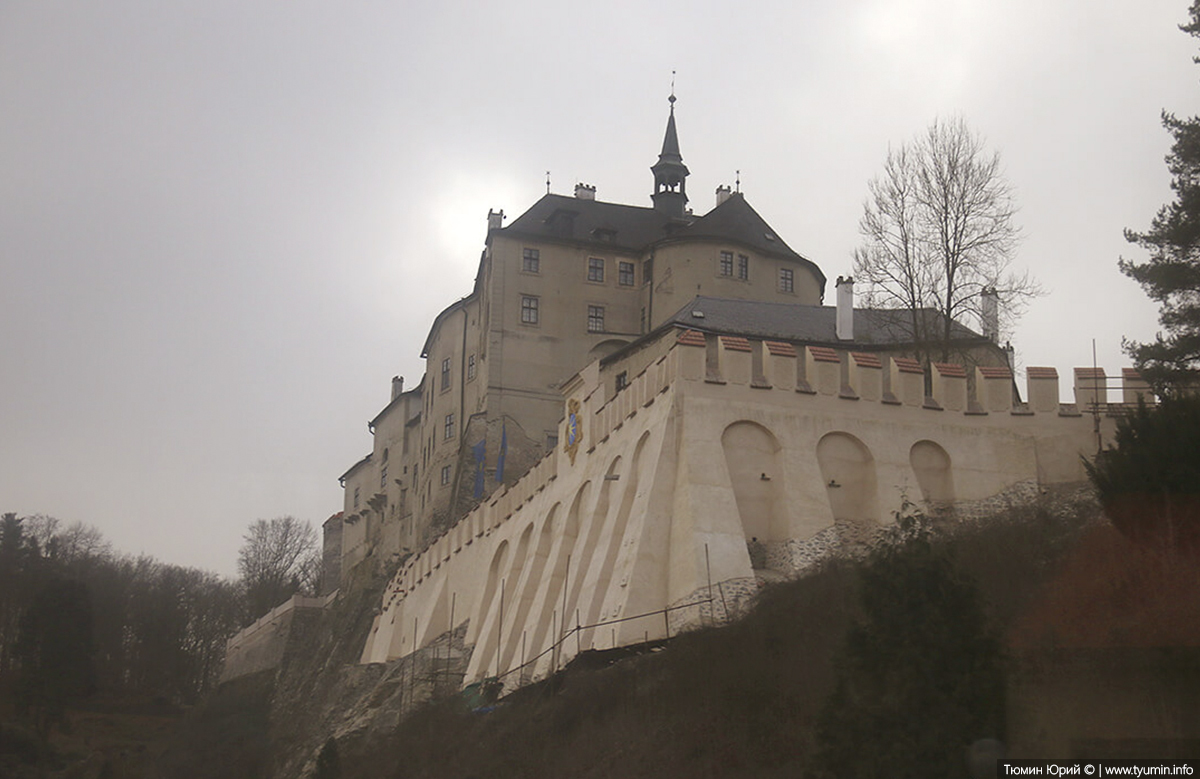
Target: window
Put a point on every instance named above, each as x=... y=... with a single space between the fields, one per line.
x=787 y=280
x=470 y=367
x=531 y=261
x=743 y=267
x=648 y=271
x=622 y=380
x=356 y=497
x=726 y=263
x=446 y=373
x=445 y=475
x=383 y=470
x=595 y=319
x=529 y=310
x=625 y=274
x=448 y=427
x=595 y=269
x=551 y=441
x=643 y=322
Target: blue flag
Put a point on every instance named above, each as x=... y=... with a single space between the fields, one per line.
x=480 y=452
x=503 y=451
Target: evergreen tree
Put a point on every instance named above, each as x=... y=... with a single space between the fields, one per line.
x=1172 y=274
x=1149 y=480
x=919 y=677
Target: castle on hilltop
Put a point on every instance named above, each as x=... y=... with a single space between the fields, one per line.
x=638 y=415
x=571 y=281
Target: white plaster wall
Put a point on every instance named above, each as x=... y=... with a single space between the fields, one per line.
x=667 y=526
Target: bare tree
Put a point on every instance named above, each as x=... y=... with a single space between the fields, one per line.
x=938 y=228
x=271 y=562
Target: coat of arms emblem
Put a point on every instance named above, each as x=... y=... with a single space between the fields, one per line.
x=574 y=429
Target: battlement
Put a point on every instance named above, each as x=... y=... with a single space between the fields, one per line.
x=900 y=381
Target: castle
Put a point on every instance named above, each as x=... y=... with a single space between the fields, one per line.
x=639 y=415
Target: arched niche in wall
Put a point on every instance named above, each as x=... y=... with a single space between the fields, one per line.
x=605 y=348
x=495 y=572
x=522 y=601
x=752 y=459
x=848 y=470
x=931 y=465
x=608 y=561
x=549 y=625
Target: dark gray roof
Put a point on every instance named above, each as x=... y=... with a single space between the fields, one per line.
x=636 y=228
x=569 y=218
x=873 y=327
x=735 y=220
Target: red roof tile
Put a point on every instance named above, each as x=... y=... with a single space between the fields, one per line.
x=950 y=370
x=735 y=343
x=781 y=348
x=823 y=354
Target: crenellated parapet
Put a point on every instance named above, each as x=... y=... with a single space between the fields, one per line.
x=882 y=378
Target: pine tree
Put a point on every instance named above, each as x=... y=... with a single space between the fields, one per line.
x=1149 y=480
x=1172 y=274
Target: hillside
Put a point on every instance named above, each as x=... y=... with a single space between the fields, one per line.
x=739 y=700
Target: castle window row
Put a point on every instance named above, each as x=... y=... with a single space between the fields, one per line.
x=530 y=314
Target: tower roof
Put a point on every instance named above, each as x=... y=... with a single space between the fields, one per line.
x=670 y=147
x=670 y=174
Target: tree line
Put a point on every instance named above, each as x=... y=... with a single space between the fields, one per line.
x=78 y=618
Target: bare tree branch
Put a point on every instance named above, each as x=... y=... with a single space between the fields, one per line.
x=939 y=228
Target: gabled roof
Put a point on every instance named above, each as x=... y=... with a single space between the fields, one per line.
x=735 y=220
x=637 y=228
x=878 y=327
x=633 y=228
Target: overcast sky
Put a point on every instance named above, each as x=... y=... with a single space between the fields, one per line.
x=224 y=226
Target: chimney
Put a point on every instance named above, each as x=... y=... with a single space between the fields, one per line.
x=845 y=308
x=397 y=386
x=585 y=192
x=723 y=191
x=989 y=313
x=495 y=219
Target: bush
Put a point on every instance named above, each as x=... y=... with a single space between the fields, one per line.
x=1149 y=481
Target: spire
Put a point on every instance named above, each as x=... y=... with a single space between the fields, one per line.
x=670 y=174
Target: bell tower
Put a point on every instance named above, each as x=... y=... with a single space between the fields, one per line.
x=670 y=174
